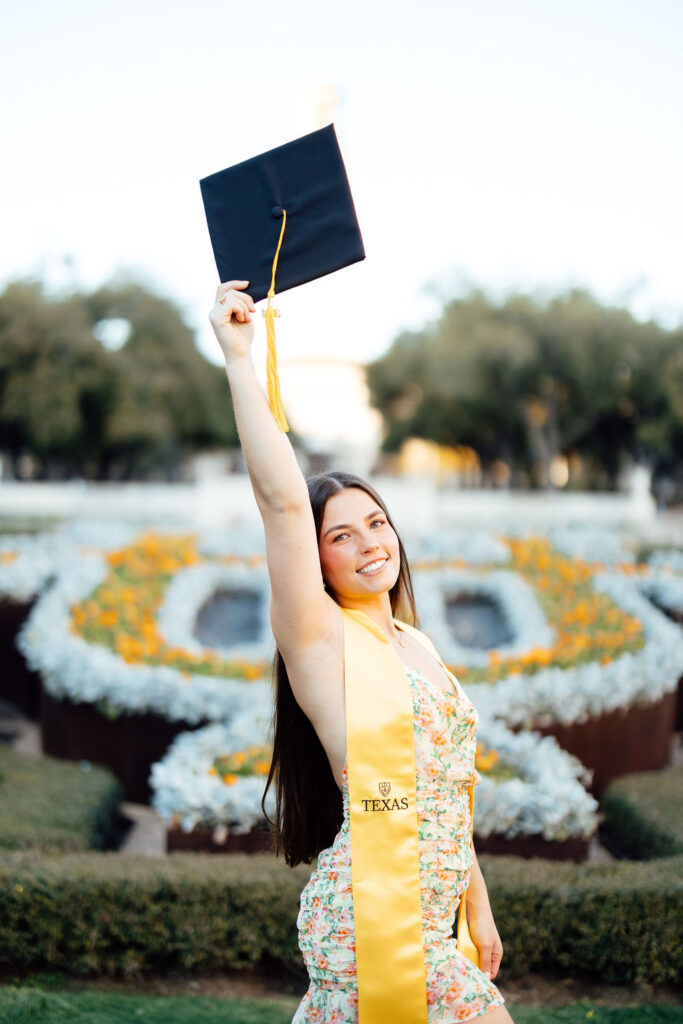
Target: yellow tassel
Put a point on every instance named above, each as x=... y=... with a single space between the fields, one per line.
x=274 y=397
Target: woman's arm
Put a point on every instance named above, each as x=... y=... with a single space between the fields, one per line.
x=273 y=470
x=300 y=608
x=480 y=922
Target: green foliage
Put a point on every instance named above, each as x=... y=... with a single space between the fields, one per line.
x=28 y=1005
x=31 y=1005
x=526 y=380
x=56 y=383
x=120 y=914
x=50 y=806
x=643 y=815
x=117 y=914
x=66 y=908
x=169 y=397
x=586 y=1012
x=80 y=408
x=617 y=923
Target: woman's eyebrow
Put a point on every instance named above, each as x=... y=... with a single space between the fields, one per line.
x=347 y=526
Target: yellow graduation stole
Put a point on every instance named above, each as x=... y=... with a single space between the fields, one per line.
x=385 y=866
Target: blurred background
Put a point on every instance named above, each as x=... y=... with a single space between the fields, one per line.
x=506 y=366
x=516 y=325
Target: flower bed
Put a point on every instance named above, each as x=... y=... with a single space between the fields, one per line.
x=536 y=807
x=588 y=656
x=211 y=783
x=667 y=558
x=598 y=709
x=95 y=639
x=28 y=563
x=516 y=600
x=530 y=801
x=664 y=589
x=612 y=666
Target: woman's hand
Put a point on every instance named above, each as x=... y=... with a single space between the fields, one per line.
x=231 y=321
x=486 y=938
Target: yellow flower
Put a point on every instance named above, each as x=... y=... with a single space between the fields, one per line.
x=108 y=618
x=230 y=779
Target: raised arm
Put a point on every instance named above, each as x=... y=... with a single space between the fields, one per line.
x=300 y=609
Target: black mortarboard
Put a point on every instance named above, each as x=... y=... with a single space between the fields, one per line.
x=287 y=213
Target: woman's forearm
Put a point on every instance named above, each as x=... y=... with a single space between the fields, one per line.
x=275 y=475
x=477 y=894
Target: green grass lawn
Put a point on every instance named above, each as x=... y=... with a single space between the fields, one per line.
x=26 y=1005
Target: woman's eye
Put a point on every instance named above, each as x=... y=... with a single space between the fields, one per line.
x=375 y=522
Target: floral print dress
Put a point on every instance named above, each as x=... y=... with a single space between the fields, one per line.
x=445 y=726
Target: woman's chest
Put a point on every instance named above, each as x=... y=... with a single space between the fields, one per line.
x=446 y=722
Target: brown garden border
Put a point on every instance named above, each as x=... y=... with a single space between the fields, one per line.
x=18 y=683
x=201 y=840
x=128 y=744
x=260 y=840
x=634 y=739
x=612 y=744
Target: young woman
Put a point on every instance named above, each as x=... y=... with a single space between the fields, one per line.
x=331 y=546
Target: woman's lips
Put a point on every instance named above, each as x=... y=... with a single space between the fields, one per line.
x=375 y=571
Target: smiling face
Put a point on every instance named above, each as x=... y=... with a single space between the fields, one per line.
x=359 y=552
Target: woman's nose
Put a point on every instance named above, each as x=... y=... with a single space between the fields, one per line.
x=369 y=543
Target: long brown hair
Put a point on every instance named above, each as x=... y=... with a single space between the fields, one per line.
x=308 y=807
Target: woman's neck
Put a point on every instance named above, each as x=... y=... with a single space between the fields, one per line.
x=377 y=607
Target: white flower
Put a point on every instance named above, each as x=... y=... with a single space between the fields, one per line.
x=547 y=798
x=667 y=558
x=575 y=694
x=517 y=601
x=83 y=672
x=191 y=588
x=474 y=546
x=181 y=783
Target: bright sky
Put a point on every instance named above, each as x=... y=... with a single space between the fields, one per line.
x=527 y=144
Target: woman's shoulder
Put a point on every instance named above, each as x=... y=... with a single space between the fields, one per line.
x=418 y=635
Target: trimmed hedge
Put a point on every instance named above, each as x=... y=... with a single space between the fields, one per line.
x=119 y=914
x=55 y=806
x=123 y=914
x=613 y=922
x=643 y=815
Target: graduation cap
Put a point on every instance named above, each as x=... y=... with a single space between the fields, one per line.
x=287 y=213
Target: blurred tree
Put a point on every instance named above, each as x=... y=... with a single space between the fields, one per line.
x=79 y=408
x=526 y=381
x=56 y=385
x=170 y=400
